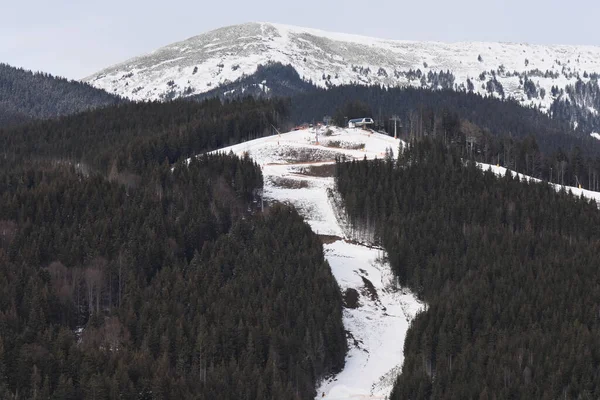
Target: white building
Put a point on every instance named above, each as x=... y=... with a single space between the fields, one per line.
x=359 y=122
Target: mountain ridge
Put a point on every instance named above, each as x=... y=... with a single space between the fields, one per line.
x=527 y=73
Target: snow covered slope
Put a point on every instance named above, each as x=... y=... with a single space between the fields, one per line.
x=501 y=171
x=203 y=62
x=297 y=168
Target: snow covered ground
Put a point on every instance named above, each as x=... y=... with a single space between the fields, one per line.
x=295 y=165
x=297 y=168
x=203 y=62
x=501 y=171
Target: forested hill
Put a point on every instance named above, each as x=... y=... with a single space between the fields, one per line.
x=136 y=136
x=25 y=96
x=421 y=111
x=128 y=272
x=508 y=269
x=487 y=129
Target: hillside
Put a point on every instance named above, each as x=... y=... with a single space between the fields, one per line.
x=507 y=268
x=421 y=112
x=25 y=96
x=124 y=276
x=534 y=75
x=490 y=130
x=298 y=169
x=135 y=136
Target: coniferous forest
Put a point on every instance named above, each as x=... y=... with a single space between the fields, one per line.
x=136 y=136
x=508 y=270
x=489 y=130
x=421 y=109
x=26 y=96
x=131 y=267
x=128 y=272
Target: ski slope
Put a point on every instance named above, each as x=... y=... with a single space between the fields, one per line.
x=377 y=328
x=294 y=166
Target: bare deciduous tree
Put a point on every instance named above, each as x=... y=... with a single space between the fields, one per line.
x=94 y=280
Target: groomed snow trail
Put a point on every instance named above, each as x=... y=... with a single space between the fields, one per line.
x=295 y=167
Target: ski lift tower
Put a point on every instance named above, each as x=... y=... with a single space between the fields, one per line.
x=396 y=119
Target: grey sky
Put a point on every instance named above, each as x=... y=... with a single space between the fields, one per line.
x=75 y=39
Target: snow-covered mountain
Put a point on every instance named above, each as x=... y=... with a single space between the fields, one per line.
x=199 y=64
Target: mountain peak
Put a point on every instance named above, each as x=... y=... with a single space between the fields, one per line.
x=216 y=58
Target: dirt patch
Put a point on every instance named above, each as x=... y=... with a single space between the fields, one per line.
x=298 y=163
x=288 y=183
x=297 y=155
x=363 y=243
x=320 y=171
x=338 y=144
x=328 y=239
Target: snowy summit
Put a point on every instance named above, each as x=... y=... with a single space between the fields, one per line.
x=524 y=72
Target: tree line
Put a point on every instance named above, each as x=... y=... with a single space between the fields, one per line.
x=128 y=271
x=533 y=155
x=133 y=137
x=507 y=268
x=503 y=118
x=26 y=96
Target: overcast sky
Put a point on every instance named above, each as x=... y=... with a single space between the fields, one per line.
x=77 y=38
